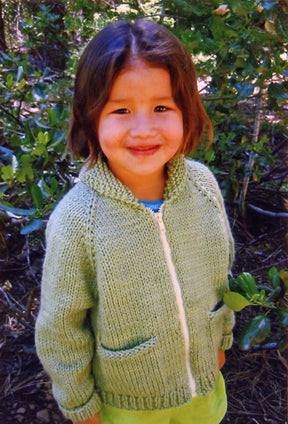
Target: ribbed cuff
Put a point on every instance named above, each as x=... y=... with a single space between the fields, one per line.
x=226 y=342
x=83 y=412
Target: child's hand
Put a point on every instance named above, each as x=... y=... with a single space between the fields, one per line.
x=221 y=358
x=94 y=420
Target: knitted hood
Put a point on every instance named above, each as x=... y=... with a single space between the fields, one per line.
x=102 y=180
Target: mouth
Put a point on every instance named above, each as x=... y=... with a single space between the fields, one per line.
x=144 y=150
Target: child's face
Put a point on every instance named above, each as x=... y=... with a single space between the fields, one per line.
x=140 y=127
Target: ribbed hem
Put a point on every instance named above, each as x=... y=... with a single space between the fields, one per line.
x=169 y=400
x=85 y=411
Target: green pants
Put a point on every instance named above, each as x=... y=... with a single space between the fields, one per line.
x=208 y=409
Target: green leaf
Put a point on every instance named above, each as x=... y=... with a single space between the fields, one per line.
x=39 y=94
x=220 y=30
x=7 y=172
x=239 y=7
x=9 y=80
x=278 y=91
x=255 y=332
x=26 y=170
x=247 y=283
x=29 y=136
x=21 y=84
x=233 y=284
x=209 y=155
x=275 y=281
x=52 y=116
x=34 y=225
x=272 y=271
x=54 y=184
x=37 y=196
x=236 y=301
x=57 y=140
x=18 y=211
x=42 y=138
x=5 y=153
x=284 y=279
x=283 y=317
x=40 y=150
x=281 y=23
x=274 y=295
x=29 y=20
x=283 y=344
x=19 y=74
x=245 y=90
x=46 y=190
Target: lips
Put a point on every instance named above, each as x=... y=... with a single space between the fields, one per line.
x=144 y=150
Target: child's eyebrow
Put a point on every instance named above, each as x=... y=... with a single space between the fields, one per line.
x=128 y=99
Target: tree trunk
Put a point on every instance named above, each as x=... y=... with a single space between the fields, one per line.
x=3 y=45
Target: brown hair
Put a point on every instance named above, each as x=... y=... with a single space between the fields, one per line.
x=101 y=62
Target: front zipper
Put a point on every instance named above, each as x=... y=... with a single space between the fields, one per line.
x=178 y=295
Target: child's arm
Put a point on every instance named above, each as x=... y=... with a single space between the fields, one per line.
x=94 y=420
x=64 y=338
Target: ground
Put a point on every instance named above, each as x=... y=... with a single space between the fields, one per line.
x=256 y=380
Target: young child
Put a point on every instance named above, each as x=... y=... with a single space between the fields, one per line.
x=132 y=321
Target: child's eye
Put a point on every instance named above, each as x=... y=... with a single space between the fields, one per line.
x=161 y=108
x=122 y=111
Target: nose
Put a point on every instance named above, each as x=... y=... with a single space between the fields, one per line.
x=143 y=126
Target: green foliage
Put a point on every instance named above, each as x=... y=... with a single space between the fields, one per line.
x=255 y=332
x=239 y=48
x=271 y=298
x=34 y=119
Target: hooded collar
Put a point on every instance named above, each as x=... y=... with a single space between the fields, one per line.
x=101 y=179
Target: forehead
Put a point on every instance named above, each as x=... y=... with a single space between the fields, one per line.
x=140 y=77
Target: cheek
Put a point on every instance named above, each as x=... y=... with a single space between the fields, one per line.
x=111 y=129
x=176 y=129
x=105 y=134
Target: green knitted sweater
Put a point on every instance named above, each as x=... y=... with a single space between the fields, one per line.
x=131 y=311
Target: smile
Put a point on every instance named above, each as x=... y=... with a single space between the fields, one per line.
x=144 y=150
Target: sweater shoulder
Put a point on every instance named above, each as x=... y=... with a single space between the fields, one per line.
x=203 y=179
x=72 y=211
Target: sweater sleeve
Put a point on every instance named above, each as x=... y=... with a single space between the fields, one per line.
x=207 y=183
x=64 y=339
x=229 y=316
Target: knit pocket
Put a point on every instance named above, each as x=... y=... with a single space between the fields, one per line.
x=216 y=319
x=133 y=372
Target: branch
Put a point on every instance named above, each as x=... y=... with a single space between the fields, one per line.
x=251 y=160
x=275 y=150
x=11 y=116
x=18 y=314
x=269 y=213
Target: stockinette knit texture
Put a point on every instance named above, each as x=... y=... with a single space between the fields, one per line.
x=108 y=329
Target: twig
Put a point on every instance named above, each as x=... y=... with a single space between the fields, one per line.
x=29 y=262
x=12 y=116
x=275 y=150
x=140 y=5
x=269 y=213
x=162 y=14
x=19 y=315
x=30 y=303
x=251 y=160
x=282 y=359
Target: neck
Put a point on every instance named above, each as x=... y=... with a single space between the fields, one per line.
x=145 y=187
x=150 y=191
